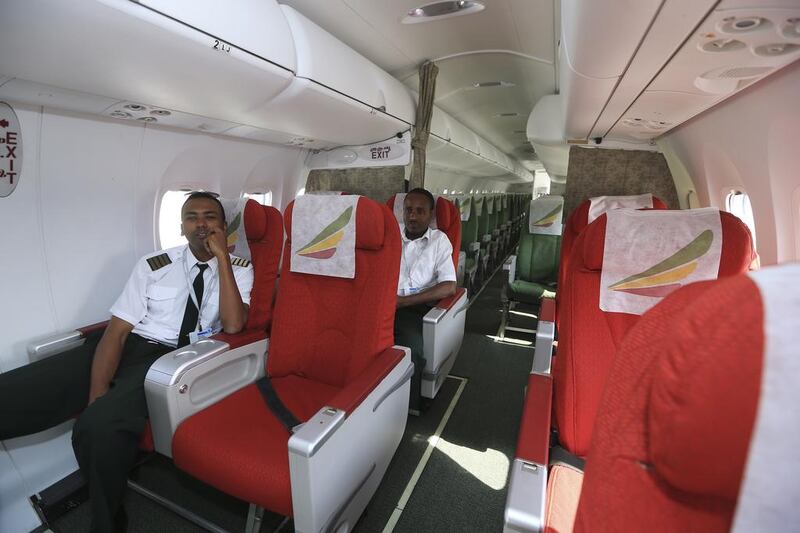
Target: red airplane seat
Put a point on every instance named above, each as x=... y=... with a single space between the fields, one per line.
x=589 y=337
x=336 y=372
x=576 y=223
x=687 y=426
x=263 y=227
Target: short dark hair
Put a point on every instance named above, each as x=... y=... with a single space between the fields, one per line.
x=426 y=193
x=208 y=195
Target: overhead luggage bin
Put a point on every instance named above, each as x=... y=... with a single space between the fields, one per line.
x=125 y=51
x=255 y=26
x=233 y=63
x=326 y=60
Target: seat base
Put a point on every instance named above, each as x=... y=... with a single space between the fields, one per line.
x=563 y=493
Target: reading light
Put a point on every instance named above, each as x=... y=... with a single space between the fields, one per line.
x=439 y=10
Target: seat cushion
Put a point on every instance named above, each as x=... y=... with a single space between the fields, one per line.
x=239 y=447
x=529 y=291
x=563 y=493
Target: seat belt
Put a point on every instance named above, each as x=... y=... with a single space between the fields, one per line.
x=274 y=403
x=559 y=455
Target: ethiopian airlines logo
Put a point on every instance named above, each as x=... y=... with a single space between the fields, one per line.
x=547 y=220
x=323 y=246
x=232 y=236
x=663 y=278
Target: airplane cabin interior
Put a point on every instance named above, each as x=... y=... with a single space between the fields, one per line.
x=615 y=205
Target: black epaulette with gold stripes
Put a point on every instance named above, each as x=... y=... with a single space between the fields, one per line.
x=159 y=261
x=240 y=262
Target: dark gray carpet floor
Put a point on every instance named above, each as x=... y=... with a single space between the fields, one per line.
x=463 y=487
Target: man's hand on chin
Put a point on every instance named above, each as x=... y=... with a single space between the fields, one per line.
x=217 y=243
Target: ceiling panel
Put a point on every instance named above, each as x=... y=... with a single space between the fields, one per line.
x=510 y=40
x=483 y=109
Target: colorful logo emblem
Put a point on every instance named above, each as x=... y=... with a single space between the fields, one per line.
x=233 y=237
x=323 y=246
x=664 y=277
x=548 y=220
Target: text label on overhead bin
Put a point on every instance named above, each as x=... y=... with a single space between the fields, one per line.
x=221 y=46
x=10 y=150
x=392 y=152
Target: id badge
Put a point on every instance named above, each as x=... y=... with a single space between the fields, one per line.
x=195 y=336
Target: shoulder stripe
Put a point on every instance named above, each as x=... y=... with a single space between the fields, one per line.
x=159 y=261
x=240 y=261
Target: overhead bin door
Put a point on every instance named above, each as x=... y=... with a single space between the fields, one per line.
x=255 y=26
x=122 y=50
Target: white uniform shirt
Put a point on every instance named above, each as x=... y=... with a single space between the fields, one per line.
x=425 y=262
x=154 y=301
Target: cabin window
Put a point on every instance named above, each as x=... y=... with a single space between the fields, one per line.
x=445 y=191
x=264 y=198
x=301 y=192
x=738 y=203
x=169 y=219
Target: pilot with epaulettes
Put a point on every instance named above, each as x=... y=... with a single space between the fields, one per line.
x=172 y=298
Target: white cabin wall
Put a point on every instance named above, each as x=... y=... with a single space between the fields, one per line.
x=749 y=142
x=84 y=211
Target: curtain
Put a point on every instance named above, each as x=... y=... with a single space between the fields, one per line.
x=419 y=144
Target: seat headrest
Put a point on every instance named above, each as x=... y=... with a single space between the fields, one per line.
x=255 y=221
x=446 y=213
x=737 y=244
x=594 y=242
x=369 y=224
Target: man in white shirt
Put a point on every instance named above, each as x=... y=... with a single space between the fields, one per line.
x=172 y=298
x=427 y=274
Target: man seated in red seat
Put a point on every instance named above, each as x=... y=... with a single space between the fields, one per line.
x=427 y=275
x=172 y=298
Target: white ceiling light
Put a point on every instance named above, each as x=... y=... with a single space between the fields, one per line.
x=440 y=10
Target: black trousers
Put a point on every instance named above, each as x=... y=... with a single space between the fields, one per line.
x=106 y=435
x=408 y=332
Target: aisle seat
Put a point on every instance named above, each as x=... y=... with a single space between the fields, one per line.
x=693 y=432
x=470 y=243
x=337 y=374
x=589 y=336
x=443 y=326
x=533 y=271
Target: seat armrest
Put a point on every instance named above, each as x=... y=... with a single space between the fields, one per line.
x=527 y=490
x=337 y=458
x=545 y=337
x=511 y=266
x=49 y=345
x=450 y=301
x=189 y=379
x=247 y=336
x=533 y=442
x=93 y=328
x=354 y=393
x=444 y=306
x=547 y=309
